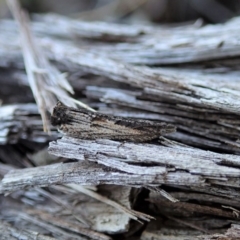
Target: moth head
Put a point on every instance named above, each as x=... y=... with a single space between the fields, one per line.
x=59 y=115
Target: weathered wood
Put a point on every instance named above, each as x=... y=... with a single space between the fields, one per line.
x=190 y=209
x=190 y=191
x=182 y=167
x=48 y=218
x=107 y=210
x=206 y=125
x=86 y=173
x=199 y=97
x=41 y=74
x=144 y=45
x=231 y=234
x=192 y=160
x=7 y=232
x=22 y=122
x=159 y=83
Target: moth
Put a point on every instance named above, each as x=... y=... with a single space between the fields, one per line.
x=85 y=124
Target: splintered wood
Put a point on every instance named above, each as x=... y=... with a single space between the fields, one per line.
x=152 y=153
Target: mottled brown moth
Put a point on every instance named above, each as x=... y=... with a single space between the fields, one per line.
x=85 y=124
